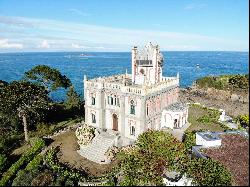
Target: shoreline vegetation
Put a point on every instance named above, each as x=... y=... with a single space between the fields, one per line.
x=27 y=114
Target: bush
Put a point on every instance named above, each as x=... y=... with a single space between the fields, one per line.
x=43 y=179
x=208 y=172
x=189 y=140
x=24 y=178
x=155 y=151
x=243 y=120
x=3 y=162
x=52 y=163
x=25 y=158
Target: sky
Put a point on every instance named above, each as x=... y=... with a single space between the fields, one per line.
x=117 y=25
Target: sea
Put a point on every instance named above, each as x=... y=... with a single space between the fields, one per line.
x=190 y=65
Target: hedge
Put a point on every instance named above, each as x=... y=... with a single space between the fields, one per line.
x=25 y=158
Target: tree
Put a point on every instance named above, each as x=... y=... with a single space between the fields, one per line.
x=24 y=99
x=73 y=101
x=49 y=77
x=3 y=83
x=155 y=151
x=208 y=172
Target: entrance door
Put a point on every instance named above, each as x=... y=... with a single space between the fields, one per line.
x=115 y=122
x=175 y=123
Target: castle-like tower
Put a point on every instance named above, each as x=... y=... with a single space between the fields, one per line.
x=132 y=103
x=147 y=65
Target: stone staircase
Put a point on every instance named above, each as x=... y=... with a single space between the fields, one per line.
x=97 y=148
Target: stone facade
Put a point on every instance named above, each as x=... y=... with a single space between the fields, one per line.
x=131 y=103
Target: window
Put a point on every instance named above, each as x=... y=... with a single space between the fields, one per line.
x=111 y=101
x=93 y=118
x=132 y=130
x=93 y=101
x=118 y=102
x=147 y=110
x=108 y=100
x=132 y=107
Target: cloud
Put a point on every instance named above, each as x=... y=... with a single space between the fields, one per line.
x=15 y=21
x=72 y=36
x=78 y=12
x=195 y=6
x=5 y=44
x=45 y=44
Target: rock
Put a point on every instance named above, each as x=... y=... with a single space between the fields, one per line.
x=234 y=97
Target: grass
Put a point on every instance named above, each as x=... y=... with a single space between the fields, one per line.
x=44 y=129
x=196 y=116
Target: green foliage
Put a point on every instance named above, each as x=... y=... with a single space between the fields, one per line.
x=52 y=162
x=189 y=139
x=73 y=100
x=25 y=158
x=208 y=172
x=25 y=178
x=43 y=179
x=156 y=151
x=8 y=141
x=3 y=83
x=224 y=82
x=3 y=162
x=212 y=116
x=243 y=120
x=239 y=81
x=24 y=99
x=49 y=77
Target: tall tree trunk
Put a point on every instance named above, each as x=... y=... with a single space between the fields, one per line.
x=25 y=128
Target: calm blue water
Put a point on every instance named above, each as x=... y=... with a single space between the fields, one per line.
x=71 y=64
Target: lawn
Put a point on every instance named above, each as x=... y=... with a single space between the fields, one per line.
x=202 y=118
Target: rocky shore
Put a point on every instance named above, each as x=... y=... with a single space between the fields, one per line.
x=234 y=103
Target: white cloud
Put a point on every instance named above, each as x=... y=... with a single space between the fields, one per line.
x=195 y=6
x=76 y=46
x=68 y=36
x=78 y=12
x=45 y=44
x=5 y=44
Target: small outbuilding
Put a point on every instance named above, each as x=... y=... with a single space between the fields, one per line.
x=174 y=116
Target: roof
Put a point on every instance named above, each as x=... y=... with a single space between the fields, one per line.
x=233 y=154
x=176 y=107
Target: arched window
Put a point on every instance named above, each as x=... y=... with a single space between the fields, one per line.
x=147 y=110
x=93 y=100
x=111 y=101
x=132 y=130
x=132 y=107
x=118 y=101
x=93 y=118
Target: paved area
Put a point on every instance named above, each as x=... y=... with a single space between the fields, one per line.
x=178 y=133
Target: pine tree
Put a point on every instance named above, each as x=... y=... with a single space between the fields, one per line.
x=73 y=100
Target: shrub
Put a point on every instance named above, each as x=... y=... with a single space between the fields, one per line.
x=154 y=151
x=43 y=179
x=52 y=163
x=208 y=172
x=189 y=139
x=25 y=158
x=3 y=162
x=24 y=178
x=243 y=120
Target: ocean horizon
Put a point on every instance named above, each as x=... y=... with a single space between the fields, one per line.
x=96 y=64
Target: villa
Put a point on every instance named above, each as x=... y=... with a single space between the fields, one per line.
x=132 y=103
